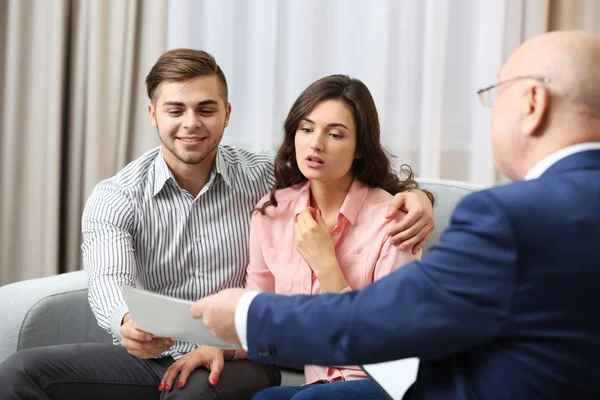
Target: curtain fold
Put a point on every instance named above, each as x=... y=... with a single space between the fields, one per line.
x=72 y=76
x=574 y=14
x=33 y=84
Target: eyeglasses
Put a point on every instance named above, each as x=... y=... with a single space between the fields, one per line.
x=488 y=95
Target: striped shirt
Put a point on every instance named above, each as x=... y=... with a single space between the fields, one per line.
x=140 y=228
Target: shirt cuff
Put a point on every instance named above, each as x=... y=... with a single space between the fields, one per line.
x=240 y=354
x=346 y=290
x=116 y=319
x=241 y=316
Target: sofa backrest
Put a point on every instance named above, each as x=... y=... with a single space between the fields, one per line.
x=447 y=195
x=55 y=310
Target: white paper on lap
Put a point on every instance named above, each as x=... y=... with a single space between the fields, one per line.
x=393 y=377
x=165 y=316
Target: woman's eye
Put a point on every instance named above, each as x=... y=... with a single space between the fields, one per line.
x=306 y=130
x=335 y=135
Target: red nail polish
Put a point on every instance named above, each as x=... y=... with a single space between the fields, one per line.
x=160 y=386
x=180 y=385
x=168 y=387
x=213 y=381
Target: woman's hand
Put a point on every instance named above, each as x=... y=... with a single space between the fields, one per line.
x=211 y=358
x=316 y=248
x=313 y=241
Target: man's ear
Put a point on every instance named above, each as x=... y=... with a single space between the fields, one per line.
x=227 y=114
x=538 y=107
x=152 y=114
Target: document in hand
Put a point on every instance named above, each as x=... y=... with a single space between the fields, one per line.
x=165 y=316
x=393 y=377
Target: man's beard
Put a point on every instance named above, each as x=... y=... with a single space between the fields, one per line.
x=189 y=157
x=192 y=157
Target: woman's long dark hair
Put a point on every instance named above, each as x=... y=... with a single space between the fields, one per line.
x=374 y=168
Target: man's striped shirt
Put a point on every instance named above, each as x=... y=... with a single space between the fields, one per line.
x=141 y=229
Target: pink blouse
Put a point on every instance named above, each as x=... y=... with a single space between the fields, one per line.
x=362 y=248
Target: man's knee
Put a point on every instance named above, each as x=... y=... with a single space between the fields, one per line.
x=22 y=363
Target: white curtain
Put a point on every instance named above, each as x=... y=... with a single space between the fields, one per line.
x=422 y=59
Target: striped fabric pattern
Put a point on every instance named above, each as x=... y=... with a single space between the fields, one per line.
x=141 y=229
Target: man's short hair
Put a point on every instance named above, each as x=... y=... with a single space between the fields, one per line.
x=181 y=65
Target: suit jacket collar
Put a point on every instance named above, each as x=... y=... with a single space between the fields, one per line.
x=589 y=159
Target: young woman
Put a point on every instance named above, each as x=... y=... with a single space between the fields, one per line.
x=323 y=227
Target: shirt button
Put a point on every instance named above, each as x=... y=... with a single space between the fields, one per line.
x=198 y=239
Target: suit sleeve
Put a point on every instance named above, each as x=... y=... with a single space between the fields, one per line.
x=458 y=297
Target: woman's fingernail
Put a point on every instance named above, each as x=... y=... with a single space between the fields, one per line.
x=160 y=386
x=402 y=247
x=168 y=387
x=213 y=381
x=180 y=385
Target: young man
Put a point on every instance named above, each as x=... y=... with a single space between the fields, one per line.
x=506 y=307
x=175 y=221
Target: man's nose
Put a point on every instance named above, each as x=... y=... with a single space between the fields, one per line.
x=192 y=121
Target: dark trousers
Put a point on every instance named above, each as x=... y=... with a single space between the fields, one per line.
x=100 y=371
x=362 y=389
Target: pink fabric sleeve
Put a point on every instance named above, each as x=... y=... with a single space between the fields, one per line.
x=240 y=354
x=391 y=258
x=258 y=275
x=346 y=289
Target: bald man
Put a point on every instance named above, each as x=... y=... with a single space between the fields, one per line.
x=508 y=305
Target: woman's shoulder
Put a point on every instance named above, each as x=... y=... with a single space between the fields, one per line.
x=284 y=198
x=378 y=197
x=377 y=203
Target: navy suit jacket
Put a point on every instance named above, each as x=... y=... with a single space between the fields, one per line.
x=507 y=306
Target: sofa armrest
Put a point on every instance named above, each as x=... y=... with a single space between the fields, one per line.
x=47 y=311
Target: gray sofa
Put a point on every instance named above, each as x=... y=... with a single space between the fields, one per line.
x=55 y=310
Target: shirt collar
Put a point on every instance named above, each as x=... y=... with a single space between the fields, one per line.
x=553 y=158
x=162 y=172
x=352 y=203
x=221 y=167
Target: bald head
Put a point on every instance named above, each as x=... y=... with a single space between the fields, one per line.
x=532 y=119
x=571 y=59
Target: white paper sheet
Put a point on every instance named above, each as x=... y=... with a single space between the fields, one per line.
x=164 y=316
x=394 y=377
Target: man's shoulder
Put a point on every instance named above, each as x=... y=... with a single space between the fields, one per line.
x=522 y=202
x=238 y=157
x=133 y=176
